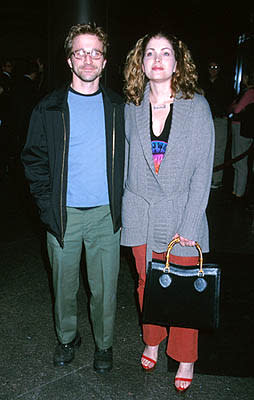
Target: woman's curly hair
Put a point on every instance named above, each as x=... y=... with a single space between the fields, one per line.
x=184 y=79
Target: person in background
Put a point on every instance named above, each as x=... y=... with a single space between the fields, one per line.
x=25 y=97
x=168 y=170
x=42 y=81
x=241 y=139
x=218 y=94
x=6 y=79
x=2 y=141
x=7 y=137
x=74 y=162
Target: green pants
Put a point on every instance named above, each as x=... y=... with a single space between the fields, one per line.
x=94 y=228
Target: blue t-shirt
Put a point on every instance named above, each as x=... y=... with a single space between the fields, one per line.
x=87 y=184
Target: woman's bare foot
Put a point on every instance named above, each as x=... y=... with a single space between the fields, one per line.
x=149 y=357
x=184 y=376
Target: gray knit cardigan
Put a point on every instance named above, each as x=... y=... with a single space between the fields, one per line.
x=156 y=207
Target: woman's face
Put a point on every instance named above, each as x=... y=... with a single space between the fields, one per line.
x=159 y=61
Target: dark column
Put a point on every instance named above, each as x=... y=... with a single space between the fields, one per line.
x=244 y=52
x=62 y=15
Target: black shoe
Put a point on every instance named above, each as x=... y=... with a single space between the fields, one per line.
x=103 y=360
x=64 y=353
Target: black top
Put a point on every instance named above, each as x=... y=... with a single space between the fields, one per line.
x=159 y=143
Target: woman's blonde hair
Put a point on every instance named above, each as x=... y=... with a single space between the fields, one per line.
x=184 y=79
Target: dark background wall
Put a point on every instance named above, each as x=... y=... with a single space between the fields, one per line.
x=210 y=29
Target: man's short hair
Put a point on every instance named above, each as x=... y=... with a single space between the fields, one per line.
x=82 y=29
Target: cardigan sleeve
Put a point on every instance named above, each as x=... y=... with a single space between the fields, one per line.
x=200 y=183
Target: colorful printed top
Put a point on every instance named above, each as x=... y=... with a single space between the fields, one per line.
x=159 y=143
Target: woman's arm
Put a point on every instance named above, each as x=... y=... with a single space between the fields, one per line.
x=200 y=182
x=247 y=98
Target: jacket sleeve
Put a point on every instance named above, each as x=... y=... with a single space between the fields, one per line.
x=200 y=182
x=35 y=160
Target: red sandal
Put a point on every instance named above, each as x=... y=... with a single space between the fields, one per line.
x=146 y=367
x=179 y=389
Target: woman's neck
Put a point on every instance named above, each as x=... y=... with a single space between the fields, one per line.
x=160 y=95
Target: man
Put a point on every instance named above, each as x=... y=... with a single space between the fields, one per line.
x=73 y=160
x=25 y=97
x=7 y=139
x=6 y=75
x=218 y=94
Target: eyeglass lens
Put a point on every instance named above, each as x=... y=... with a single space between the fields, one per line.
x=79 y=54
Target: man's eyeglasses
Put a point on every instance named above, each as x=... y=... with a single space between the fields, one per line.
x=81 y=53
x=213 y=67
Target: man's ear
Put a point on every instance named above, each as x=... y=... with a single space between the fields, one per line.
x=69 y=63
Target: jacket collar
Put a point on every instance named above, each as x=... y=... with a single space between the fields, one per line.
x=58 y=98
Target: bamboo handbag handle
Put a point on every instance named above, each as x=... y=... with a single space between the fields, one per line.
x=170 y=247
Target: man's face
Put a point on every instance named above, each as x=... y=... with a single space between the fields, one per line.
x=213 y=69
x=87 y=69
x=7 y=67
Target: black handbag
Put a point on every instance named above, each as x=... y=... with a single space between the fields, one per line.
x=182 y=296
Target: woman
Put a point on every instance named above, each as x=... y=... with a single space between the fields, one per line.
x=240 y=140
x=169 y=160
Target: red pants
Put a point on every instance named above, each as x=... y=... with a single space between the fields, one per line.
x=182 y=343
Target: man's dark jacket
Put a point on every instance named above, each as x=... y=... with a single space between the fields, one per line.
x=45 y=157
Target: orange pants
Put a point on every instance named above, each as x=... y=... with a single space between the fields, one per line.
x=183 y=342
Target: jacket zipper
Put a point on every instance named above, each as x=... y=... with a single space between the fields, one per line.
x=62 y=178
x=113 y=157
